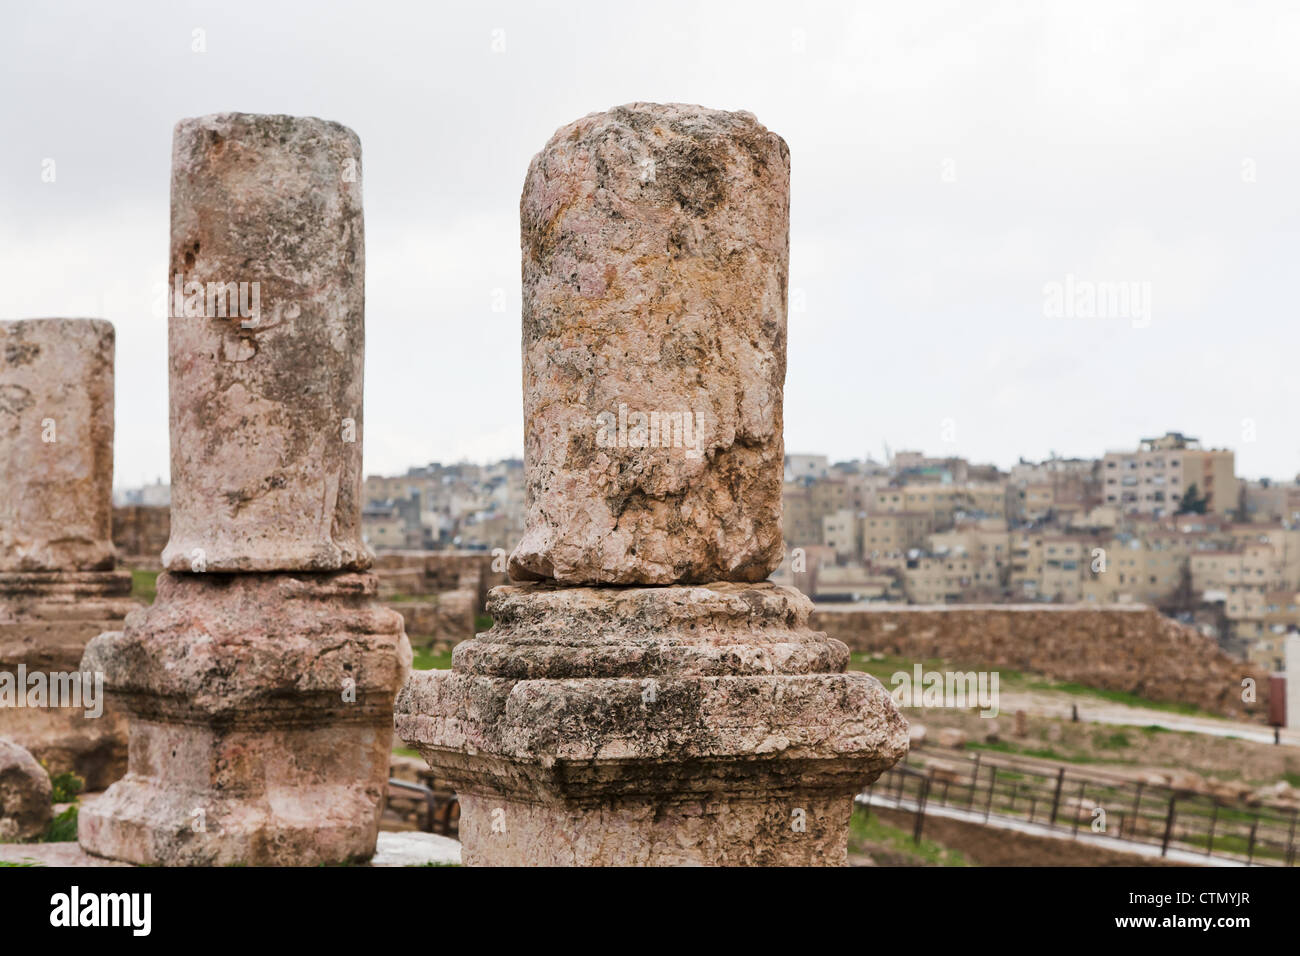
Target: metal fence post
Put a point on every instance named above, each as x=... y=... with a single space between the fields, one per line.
x=1169 y=826
x=920 y=809
x=1056 y=797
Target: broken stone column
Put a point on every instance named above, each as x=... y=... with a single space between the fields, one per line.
x=260 y=684
x=58 y=585
x=691 y=716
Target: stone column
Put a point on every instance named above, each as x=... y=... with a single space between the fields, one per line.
x=58 y=586
x=691 y=716
x=260 y=684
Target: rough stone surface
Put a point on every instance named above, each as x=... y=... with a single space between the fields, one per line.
x=659 y=726
x=1129 y=648
x=25 y=808
x=260 y=704
x=56 y=445
x=263 y=476
x=655 y=247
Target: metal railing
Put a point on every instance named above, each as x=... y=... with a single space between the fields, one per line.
x=1068 y=799
x=441 y=811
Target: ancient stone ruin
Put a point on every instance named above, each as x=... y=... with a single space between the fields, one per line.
x=58 y=586
x=690 y=716
x=260 y=685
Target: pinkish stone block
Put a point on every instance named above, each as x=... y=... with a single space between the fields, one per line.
x=56 y=445
x=655 y=248
x=266 y=381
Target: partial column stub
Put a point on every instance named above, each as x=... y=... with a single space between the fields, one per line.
x=58 y=586
x=260 y=683
x=655 y=247
x=267 y=345
x=56 y=445
x=690 y=716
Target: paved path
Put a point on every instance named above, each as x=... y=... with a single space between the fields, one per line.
x=403 y=848
x=1047 y=704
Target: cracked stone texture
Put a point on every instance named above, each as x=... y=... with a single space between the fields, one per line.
x=655 y=248
x=25 y=808
x=264 y=701
x=56 y=381
x=657 y=726
x=263 y=478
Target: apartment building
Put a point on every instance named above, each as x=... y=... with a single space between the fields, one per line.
x=894 y=532
x=939 y=579
x=1155 y=478
x=806 y=467
x=841 y=531
x=1270 y=502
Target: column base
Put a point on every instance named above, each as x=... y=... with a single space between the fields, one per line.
x=260 y=722
x=739 y=742
x=317 y=798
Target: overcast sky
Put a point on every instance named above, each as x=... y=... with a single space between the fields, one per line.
x=950 y=161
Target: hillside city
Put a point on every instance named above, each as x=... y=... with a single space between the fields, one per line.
x=1167 y=523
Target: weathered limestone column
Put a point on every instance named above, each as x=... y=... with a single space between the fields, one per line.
x=58 y=586
x=693 y=716
x=260 y=684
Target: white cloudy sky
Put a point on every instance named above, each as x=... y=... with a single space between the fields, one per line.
x=949 y=161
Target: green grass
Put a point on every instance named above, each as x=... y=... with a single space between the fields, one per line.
x=1013 y=680
x=144 y=585
x=1116 y=741
x=7 y=863
x=427 y=660
x=482 y=622
x=62 y=829
x=65 y=787
x=868 y=831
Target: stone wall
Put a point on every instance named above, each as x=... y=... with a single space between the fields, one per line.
x=435 y=572
x=140 y=533
x=1129 y=648
x=443 y=620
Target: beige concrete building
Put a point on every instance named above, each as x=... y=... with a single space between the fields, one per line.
x=1155 y=478
x=939 y=579
x=894 y=532
x=841 y=531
